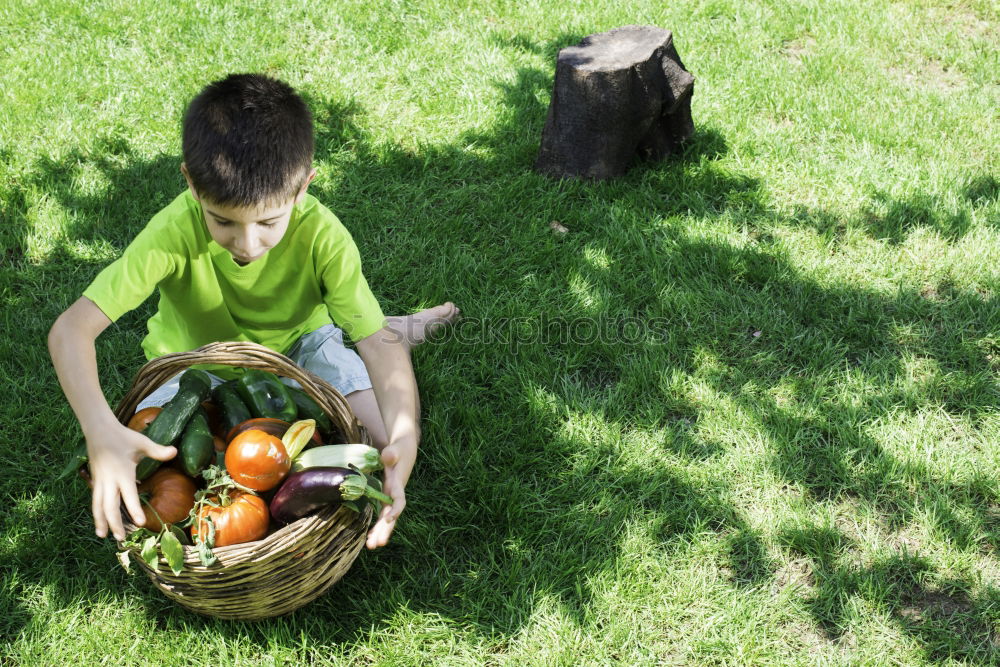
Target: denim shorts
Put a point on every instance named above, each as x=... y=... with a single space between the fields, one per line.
x=321 y=351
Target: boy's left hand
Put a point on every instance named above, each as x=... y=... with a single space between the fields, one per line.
x=398 y=462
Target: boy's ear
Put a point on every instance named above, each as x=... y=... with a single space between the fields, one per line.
x=305 y=186
x=187 y=177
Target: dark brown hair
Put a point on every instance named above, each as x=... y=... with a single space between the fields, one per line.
x=247 y=141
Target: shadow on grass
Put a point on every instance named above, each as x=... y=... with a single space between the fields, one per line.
x=950 y=622
x=509 y=505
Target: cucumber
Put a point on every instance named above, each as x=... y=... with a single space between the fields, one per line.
x=266 y=395
x=309 y=409
x=168 y=425
x=233 y=411
x=196 y=448
x=146 y=467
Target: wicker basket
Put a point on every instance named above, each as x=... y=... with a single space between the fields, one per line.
x=293 y=565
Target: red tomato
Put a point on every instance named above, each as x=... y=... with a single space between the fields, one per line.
x=257 y=460
x=143 y=418
x=245 y=519
x=171 y=497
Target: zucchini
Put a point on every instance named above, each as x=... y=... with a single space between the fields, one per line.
x=364 y=458
x=168 y=425
x=266 y=395
x=309 y=409
x=232 y=410
x=197 y=447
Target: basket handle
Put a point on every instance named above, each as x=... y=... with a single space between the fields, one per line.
x=242 y=354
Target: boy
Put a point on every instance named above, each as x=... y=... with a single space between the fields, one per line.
x=245 y=254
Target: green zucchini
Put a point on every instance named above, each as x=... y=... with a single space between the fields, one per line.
x=266 y=395
x=309 y=409
x=169 y=424
x=196 y=448
x=232 y=410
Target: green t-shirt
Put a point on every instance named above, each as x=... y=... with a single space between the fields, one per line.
x=311 y=275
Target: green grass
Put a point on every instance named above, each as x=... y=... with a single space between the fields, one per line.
x=823 y=492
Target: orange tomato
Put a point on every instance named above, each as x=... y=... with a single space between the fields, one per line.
x=245 y=519
x=257 y=460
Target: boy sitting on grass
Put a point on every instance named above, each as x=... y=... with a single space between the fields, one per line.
x=244 y=254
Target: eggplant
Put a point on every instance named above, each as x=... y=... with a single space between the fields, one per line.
x=308 y=490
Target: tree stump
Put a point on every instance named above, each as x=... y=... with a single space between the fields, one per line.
x=618 y=95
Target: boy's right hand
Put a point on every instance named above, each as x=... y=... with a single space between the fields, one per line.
x=114 y=450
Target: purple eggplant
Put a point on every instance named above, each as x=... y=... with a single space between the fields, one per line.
x=308 y=490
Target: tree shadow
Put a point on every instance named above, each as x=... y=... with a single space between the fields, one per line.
x=950 y=622
x=885 y=217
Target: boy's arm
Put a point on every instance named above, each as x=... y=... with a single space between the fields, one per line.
x=112 y=448
x=391 y=372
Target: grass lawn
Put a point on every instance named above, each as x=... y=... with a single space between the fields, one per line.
x=781 y=449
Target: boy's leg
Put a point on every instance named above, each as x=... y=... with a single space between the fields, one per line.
x=323 y=352
x=365 y=408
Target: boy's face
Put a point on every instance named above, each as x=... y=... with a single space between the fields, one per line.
x=248 y=232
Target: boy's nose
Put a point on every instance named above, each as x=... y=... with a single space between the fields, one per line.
x=246 y=243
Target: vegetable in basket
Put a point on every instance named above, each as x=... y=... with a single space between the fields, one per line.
x=234 y=518
x=257 y=460
x=364 y=458
x=309 y=409
x=266 y=395
x=168 y=425
x=308 y=490
x=197 y=448
x=167 y=496
x=275 y=427
x=232 y=410
x=143 y=418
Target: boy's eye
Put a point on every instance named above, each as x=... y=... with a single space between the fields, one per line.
x=222 y=223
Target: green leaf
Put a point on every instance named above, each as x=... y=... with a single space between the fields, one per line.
x=374 y=482
x=77 y=459
x=172 y=551
x=352 y=505
x=205 y=555
x=179 y=533
x=123 y=558
x=134 y=539
x=149 y=552
x=210 y=522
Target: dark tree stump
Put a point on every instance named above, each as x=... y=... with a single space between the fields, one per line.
x=617 y=95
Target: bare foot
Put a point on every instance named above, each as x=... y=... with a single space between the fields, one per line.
x=418 y=327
